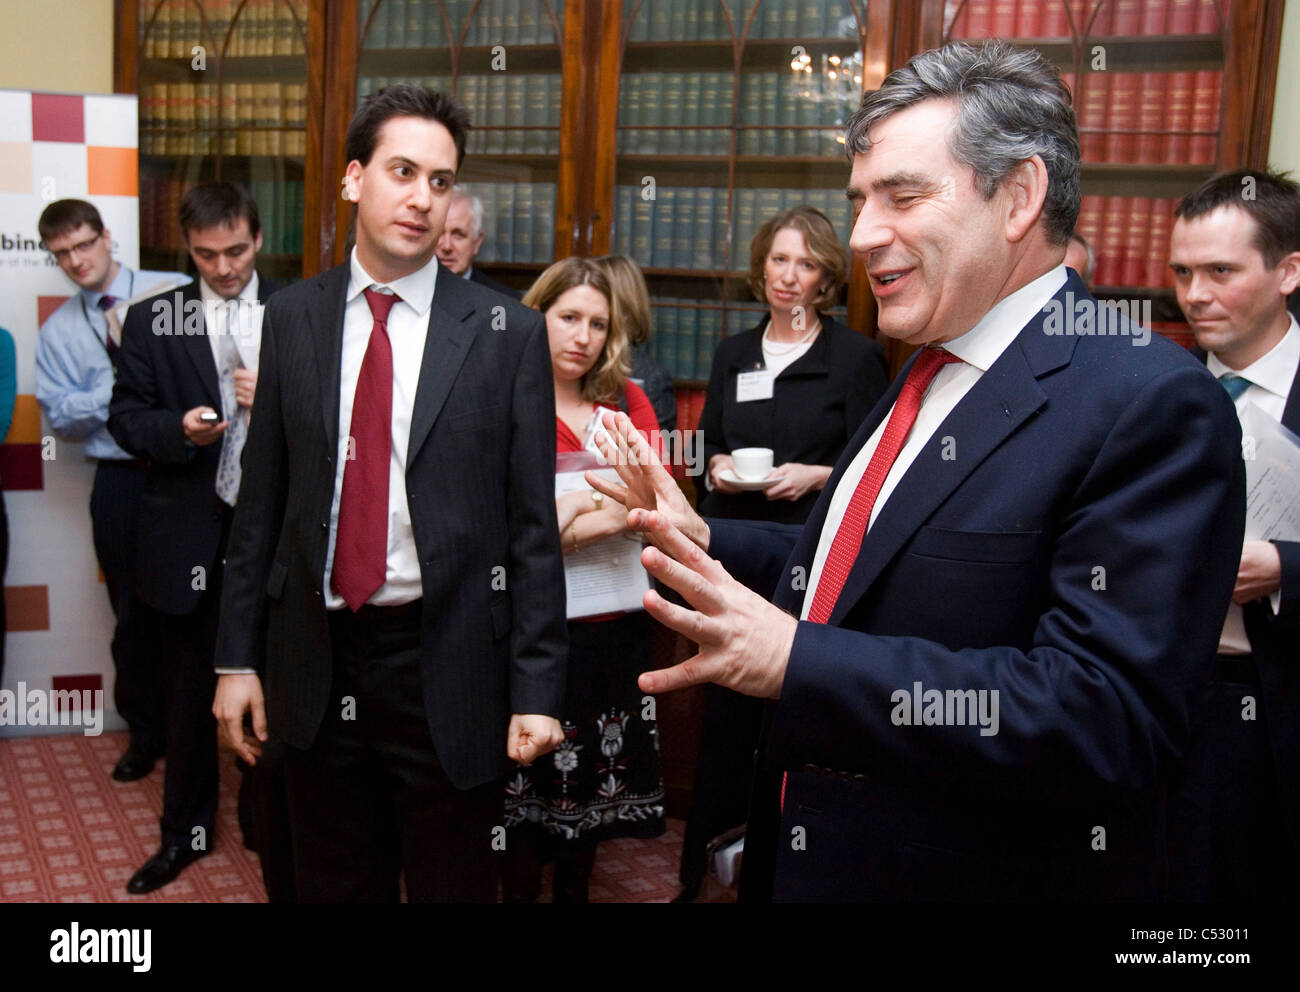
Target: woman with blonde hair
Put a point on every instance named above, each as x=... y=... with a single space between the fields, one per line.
x=631 y=300
x=603 y=780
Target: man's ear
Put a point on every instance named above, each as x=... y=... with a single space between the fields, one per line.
x=1290 y=269
x=352 y=182
x=1027 y=189
x=257 y=242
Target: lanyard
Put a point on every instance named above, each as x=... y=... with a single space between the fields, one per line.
x=130 y=292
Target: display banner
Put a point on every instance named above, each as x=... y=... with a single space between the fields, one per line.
x=53 y=146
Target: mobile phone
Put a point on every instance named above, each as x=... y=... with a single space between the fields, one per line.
x=212 y=417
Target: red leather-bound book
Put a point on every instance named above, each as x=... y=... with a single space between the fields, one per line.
x=1181 y=93
x=1096 y=90
x=1207 y=17
x=1055 y=22
x=1004 y=19
x=1126 y=17
x=1154 y=14
x=980 y=22
x=1029 y=18
x=1137 y=241
x=1089 y=222
x=1151 y=116
x=1182 y=17
x=1205 y=116
x=1162 y=225
x=1110 y=242
x=1122 y=117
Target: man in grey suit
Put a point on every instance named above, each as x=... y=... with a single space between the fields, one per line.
x=394 y=582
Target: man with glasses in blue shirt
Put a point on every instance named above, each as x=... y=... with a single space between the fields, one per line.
x=75 y=357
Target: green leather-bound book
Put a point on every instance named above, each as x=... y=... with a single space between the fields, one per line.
x=496 y=84
x=691 y=112
x=505 y=201
x=669 y=140
x=706 y=340
x=642 y=226
x=702 y=243
x=536 y=97
x=544 y=222
x=684 y=229
x=513 y=141
x=688 y=325
x=622 y=233
x=630 y=113
x=524 y=217
x=661 y=248
x=652 y=112
x=768 y=142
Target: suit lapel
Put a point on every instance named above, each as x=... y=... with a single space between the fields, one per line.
x=199 y=348
x=446 y=344
x=1291 y=414
x=325 y=321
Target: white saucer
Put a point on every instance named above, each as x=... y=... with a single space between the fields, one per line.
x=729 y=476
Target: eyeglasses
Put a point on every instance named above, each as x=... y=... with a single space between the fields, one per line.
x=63 y=254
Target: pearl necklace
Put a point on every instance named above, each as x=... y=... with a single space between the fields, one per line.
x=771 y=346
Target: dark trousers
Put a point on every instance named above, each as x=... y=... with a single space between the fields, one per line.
x=190 y=784
x=369 y=800
x=724 y=776
x=138 y=688
x=264 y=820
x=1227 y=833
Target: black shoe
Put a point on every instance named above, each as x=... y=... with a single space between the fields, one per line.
x=133 y=765
x=162 y=868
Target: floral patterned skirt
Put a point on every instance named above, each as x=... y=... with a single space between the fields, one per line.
x=603 y=780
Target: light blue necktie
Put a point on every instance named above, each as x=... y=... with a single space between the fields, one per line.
x=1234 y=384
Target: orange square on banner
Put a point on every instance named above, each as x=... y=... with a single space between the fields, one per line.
x=26 y=425
x=112 y=171
x=27 y=607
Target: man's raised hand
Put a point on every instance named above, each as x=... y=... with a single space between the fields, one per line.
x=646 y=483
x=744 y=640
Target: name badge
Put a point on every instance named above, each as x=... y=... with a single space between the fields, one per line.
x=755 y=385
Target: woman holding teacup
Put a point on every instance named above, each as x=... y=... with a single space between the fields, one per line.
x=798 y=383
x=603 y=780
x=784 y=399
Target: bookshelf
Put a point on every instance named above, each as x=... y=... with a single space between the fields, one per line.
x=223 y=91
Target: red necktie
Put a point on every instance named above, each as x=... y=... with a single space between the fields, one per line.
x=361 y=542
x=848 y=539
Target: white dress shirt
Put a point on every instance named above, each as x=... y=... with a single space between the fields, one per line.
x=978 y=349
x=1270 y=378
x=408 y=325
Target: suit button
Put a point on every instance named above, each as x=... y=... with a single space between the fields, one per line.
x=316 y=593
x=324 y=525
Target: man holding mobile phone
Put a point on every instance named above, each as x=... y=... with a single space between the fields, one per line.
x=183 y=398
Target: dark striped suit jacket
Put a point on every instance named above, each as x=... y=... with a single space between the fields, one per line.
x=480 y=485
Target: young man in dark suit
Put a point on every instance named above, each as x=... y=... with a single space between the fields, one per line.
x=184 y=392
x=982 y=642
x=1235 y=815
x=394 y=587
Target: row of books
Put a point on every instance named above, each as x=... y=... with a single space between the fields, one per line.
x=1150 y=117
x=706 y=20
x=511 y=113
x=280 y=207
x=233 y=118
x=1049 y=18
x=686 y=228
x=686 y=334
x=1130 y=239
x=519 y=221
x=692 y=113
x=419 y=23
x=262 y=27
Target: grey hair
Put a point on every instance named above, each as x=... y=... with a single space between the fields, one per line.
x=462 y=192
x=1011 y=106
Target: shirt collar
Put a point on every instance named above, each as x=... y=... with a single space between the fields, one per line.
x=982 y=345
x=415 y=289
x=209 y=295
x=1275 y=370
x=119 y=289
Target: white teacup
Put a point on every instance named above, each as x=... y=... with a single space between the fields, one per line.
x=752 y=464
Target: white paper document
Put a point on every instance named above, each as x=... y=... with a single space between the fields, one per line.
x=1272 y=456
x=606 y=577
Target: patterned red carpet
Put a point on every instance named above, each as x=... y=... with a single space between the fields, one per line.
x=69 y=833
